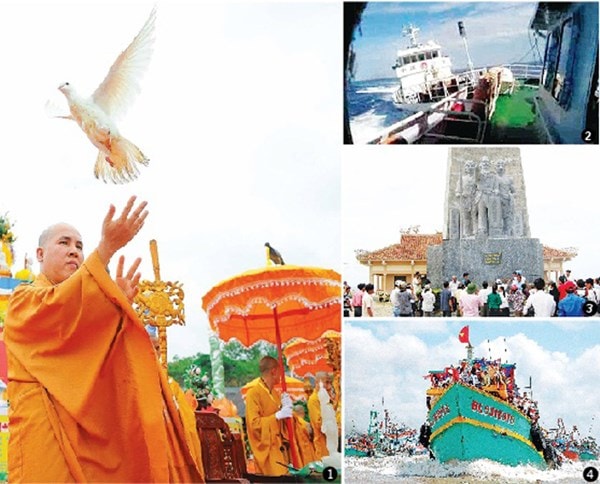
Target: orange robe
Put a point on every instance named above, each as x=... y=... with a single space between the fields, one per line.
x=314 y=413
x=265 y=431
x=188 y=419
x=303 y=441
x=88 y=399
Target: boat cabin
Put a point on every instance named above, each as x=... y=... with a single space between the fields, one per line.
x=413 y=56
x=568 y=93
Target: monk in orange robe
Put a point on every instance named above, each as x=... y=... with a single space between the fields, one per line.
x=265 y=422
x=88 y=399
x=303 y=435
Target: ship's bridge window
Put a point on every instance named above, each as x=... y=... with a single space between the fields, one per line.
x=435 y=53
x=558 y=61
x=406 y=60
x=413 y=58
x=422 y=56
x=428 y=54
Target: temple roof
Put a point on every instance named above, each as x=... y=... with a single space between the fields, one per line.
x=411 y=247
x=551 y=253
x=414 y=247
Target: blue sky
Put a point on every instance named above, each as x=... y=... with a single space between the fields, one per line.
x=497 y=32
x=390 y=358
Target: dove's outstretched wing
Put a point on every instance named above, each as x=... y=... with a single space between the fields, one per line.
x=121 y=85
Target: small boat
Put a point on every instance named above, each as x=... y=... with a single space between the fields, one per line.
x=571 y=445
x=424 y=74
x=383 y=438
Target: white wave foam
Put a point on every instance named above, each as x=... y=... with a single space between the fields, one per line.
x=377 y=90
x=366 y=126
x=406 y=469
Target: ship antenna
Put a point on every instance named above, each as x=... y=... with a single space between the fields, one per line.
x=530 y=389
x=411 y=33
x=463 y=34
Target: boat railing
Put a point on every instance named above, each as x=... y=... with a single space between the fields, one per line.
x=422 y=124
x=526 y=71
x=413 y=127
x=474 y=116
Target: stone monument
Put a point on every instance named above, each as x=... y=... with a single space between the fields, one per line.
x=486 y=225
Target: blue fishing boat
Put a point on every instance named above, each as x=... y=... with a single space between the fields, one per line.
x=469 y=424
x=476 y=411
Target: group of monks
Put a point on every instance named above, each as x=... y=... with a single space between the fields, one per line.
x=89 y=400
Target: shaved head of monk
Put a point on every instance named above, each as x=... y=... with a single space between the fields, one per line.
x=60 y=252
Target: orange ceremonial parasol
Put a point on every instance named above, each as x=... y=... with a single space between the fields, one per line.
x=310 y=357
x=276 y=304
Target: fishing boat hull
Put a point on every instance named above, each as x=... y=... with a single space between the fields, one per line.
x=352 y=452
x=469 y=424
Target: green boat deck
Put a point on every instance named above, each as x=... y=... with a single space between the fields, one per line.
x=515 y=120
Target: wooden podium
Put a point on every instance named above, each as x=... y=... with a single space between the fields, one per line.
x=222 y=451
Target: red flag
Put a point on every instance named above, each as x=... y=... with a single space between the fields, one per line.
x=463 y=335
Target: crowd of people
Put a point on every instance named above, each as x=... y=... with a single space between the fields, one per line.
x=488 y=375
x=511 y=296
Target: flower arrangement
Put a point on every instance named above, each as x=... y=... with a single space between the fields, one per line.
x=7 y=237
x=199 y=382
x=6 y=234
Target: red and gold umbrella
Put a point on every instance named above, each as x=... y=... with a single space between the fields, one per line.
x=310 y=357
x=276 y=304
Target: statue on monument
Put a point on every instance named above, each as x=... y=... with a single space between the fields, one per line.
x=484 y=201
x=506 y=192
x=487 y=201
x=465 y=194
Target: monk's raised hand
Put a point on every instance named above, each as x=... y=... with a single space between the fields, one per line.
x=116 y=233
x=128 y=282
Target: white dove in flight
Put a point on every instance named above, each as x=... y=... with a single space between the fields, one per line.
x=118 y=157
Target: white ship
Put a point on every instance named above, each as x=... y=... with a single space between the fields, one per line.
x=424 y=73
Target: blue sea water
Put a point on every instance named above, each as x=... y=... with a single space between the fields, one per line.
x=371 y=109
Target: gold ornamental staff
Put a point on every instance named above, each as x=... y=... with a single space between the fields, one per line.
x=160 y=303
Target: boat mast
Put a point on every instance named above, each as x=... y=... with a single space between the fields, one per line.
x=411 y=33
x=463 y=34
x=469 y=351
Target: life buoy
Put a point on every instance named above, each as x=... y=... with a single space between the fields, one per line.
x=423 y=65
